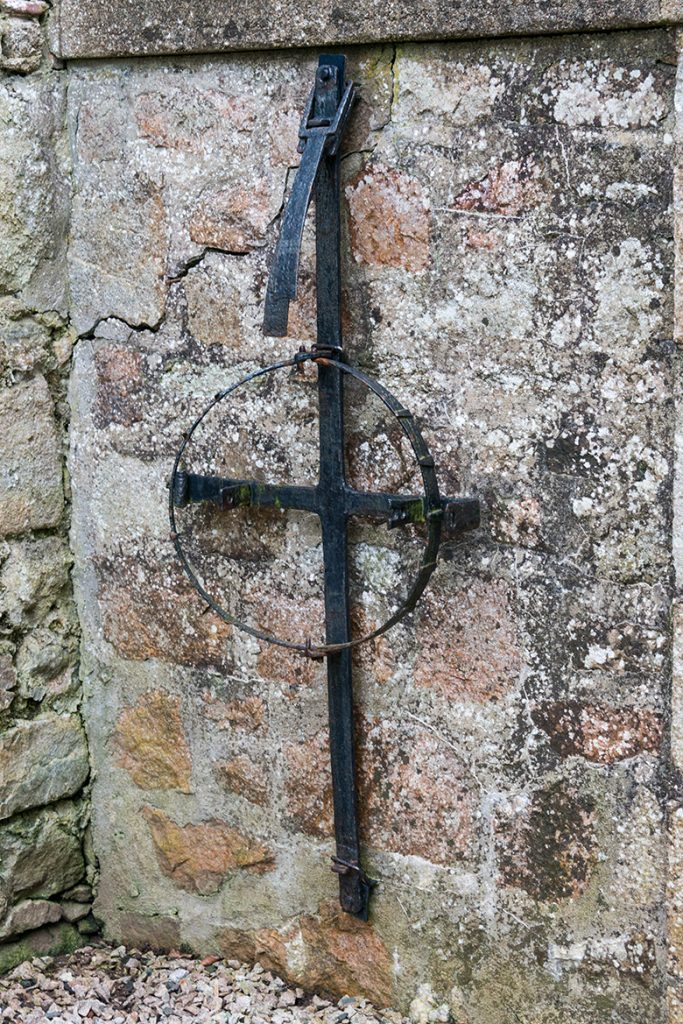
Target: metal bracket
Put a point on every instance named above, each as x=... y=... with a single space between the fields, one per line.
x=327 y=80
x=322 y=125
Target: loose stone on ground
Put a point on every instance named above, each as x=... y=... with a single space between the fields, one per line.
x=123 y=986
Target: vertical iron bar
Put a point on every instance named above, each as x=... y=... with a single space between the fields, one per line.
x=353 y=886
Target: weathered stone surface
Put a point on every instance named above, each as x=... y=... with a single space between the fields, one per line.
x=389 y=217
x=183 y=119
x=328 y=952
x=24 y=8
x=29 y=914
x=509 y=730
x=404 y=805
x=79 y=894
x=21 y=45
x=42 y=856
x=549 y=849
x=33 y=155
x=34 y=576
x=158 y=615
x=235 y=220
x=31 y=494
x=8 y=681
x=248 y=713
x=30 y=341
x=468 y=644
x=124 y=27
x=41 y=760
x=599 y=733
x=46 y=660
x=119 y=378
x=674 y=893
x=49 y=941
x=199 y=857
x=309 y=785
x=146 y=932
x=346 y=955
x=152 y=743
x=73 y=911
x=245 y=777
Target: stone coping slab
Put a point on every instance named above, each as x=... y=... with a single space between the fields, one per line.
x=120 y=28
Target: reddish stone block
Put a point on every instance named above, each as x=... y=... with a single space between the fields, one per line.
x=245 y=777
x=247 y=714
x=150 y=610
x=412 y=794
x=234 y=220
x=119 y=371
x=389 y=219
x=598 y=732
x=290 y=619
x=152 y=744
x=308 y=785
x=198 y=858
x=331 y=953
x=507 y=190
x=468 y=647
x=164 y=121
x=376 y=658
x=346 y=955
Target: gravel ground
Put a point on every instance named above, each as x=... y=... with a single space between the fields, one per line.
x=123 y=986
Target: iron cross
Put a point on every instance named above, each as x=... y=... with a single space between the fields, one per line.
x=332 y=499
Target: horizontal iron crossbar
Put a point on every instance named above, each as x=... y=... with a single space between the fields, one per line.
x=395 y=509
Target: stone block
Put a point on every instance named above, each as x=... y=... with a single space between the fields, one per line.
x=41 y=856
x=141 y=931
x=599 y=733
x=549 y=848
x=79 y=894
x=329 y=952
x=473 y=653
x=31 y=491
x=245 y=777
x=198 y=858
x=46 y=660
x=29 y=914
x=8 y=681
x=152 y=743
x=24 y=338
x=150 y=611
x=34 y=190
x=129 y=27
x=389 y=216
x=72 y=911
x=34 y=576
x=21 y=45
x=404 y=804
x=42 y=760
x=52 y=940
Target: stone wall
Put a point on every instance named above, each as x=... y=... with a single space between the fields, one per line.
x=45 y=870
x=510 y=229
x=509 y=276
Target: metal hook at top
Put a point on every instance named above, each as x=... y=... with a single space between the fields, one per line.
x=322 y=125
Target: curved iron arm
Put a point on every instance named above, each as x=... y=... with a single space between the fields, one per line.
x=318 y=136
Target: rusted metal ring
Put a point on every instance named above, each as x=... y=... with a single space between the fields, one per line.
x=432 y=503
